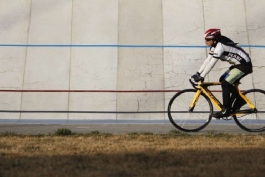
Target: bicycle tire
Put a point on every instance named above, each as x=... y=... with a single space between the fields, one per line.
x=184 y=120
x=253 y=122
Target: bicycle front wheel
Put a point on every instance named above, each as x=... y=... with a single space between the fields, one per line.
x=186 y=119
x=253 y=122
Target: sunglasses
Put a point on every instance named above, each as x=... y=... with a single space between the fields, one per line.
x=208 y=40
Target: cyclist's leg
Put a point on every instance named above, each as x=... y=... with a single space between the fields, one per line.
x=239 y=101
x=233 y=76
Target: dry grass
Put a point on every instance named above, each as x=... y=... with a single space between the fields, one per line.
x=101 y=155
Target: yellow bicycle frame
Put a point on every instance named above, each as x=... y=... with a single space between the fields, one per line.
x=202 y=87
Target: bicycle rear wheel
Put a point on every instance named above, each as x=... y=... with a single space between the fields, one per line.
x=253 y=122
x=185 y=119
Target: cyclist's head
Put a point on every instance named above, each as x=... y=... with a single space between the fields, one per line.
x=212 y=34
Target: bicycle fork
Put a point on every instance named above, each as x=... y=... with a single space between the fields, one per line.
x=194 y=100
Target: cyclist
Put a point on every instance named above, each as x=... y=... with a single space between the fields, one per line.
x=224 y=49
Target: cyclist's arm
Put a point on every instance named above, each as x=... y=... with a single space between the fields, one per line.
x=205 y=63
x=207 y=60
x=216 y=54
x=209 y=67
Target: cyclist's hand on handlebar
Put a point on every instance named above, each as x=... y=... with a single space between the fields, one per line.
x=196 y=78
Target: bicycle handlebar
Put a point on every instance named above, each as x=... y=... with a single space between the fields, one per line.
x=194 y=85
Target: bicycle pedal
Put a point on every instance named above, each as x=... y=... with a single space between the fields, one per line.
x=217 y=118
x=226 y=118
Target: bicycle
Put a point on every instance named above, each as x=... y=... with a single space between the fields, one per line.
x=191 y=110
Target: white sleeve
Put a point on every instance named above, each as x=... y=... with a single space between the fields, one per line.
x=218 y=51
x=205 y=63
x=209 y=67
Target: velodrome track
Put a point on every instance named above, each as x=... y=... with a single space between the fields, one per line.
x=121 y=45
x=115 y=128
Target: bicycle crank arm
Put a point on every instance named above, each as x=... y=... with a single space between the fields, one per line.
x=245 y=111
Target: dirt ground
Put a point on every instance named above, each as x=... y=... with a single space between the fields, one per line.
x=135 y=154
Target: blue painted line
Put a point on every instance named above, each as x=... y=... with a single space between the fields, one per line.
x=116 y=46
x=253 y=46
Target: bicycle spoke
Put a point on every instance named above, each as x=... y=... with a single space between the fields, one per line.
x=255 y=121
x=185 y=120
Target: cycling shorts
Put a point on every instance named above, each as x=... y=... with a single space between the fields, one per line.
x=234 y=75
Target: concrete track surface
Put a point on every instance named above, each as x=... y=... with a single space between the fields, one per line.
x=35 y=129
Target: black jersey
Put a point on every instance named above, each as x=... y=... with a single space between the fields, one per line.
x=231 y=53
x=226 y=50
